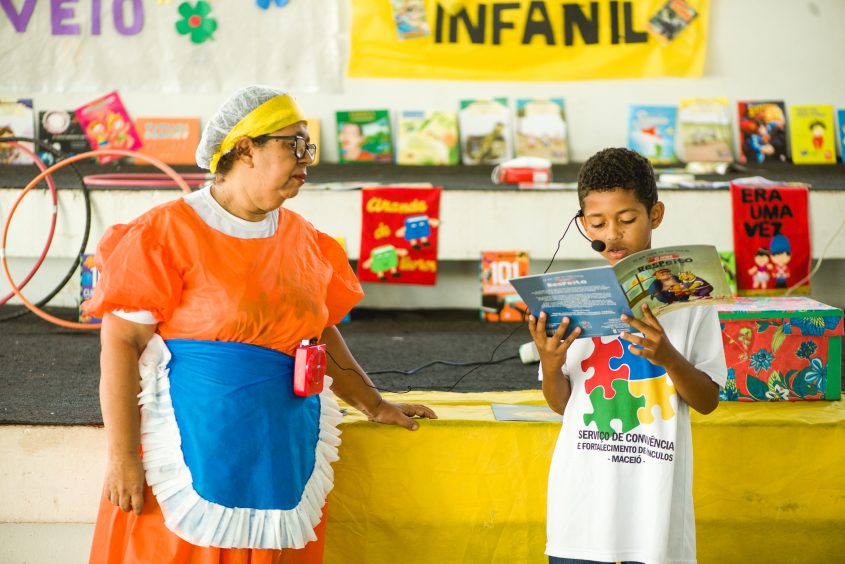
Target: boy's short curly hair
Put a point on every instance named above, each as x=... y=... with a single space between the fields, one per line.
x=615 y=168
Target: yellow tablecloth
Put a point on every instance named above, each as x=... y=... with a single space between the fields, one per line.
x=768 y=484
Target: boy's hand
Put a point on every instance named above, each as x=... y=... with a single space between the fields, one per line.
x=654 y=342
x=552 y=349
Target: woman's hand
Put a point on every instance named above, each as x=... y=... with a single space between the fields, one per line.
x=390 y=413
x=125 y=482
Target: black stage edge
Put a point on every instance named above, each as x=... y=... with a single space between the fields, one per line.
x=466 y=177
x=49 y=375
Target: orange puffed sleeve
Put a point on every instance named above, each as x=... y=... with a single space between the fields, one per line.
x=135 y=273
x=344 y=290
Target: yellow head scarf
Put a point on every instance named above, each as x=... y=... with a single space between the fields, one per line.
x=274 y=114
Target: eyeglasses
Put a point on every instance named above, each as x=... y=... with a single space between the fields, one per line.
x=298 y=144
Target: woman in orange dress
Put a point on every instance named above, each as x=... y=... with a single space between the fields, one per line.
x=212 y=457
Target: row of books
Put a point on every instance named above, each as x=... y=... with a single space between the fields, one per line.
x=482 y=131
x=700 y=130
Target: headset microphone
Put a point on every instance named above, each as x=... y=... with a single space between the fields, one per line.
x=598 y=246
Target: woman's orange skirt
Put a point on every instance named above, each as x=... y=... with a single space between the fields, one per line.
x=125 y=538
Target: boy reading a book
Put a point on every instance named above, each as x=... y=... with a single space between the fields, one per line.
x=620 y=483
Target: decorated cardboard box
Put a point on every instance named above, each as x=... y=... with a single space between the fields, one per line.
x=781 y=349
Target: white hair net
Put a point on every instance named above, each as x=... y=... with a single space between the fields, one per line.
x=233 y=110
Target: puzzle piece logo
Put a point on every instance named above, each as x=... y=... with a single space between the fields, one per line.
x=625 y=387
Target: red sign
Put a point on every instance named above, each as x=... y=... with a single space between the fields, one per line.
x=771 y=239
x=399 y=228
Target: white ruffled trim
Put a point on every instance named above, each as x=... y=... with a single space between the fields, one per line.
x=205 y=523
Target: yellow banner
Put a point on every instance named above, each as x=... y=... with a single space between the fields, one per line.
x=528 y=40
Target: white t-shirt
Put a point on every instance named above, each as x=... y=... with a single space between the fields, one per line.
x=620 y=483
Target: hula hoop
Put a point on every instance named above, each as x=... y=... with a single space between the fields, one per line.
x=144 y=180
x=52 y=186
x=3 y=259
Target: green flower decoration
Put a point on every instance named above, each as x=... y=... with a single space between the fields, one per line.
x=195 y=21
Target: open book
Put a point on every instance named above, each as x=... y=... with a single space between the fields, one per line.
x=666 y=279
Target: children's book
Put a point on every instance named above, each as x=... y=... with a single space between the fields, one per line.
x=364 y=136
x=762 y=132
x=172 y=140
x=704 y=126
x=541 y=129
x=666 y=279
x=840 y=119
x=410 y=18
x=427 y=138
x=485 y=131
x=812 y=134
x=16 y=120
x=651 y=132
x=314 y=134
x=671 y=19
x=107 y=125
x=61 y=130
x=498 y=300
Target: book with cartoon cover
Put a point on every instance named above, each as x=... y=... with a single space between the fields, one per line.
x=541 y=129
x=651 y=132
x=704 y=126
x=762 y=131
x=812 y=135
x=667 y=278
x=427 y=138
x=671 y=19
x=107 y=125
x=364 y=136
x=485 y=131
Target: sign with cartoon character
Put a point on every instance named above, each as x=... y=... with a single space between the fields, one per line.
x=399 y=228
x=771 y=239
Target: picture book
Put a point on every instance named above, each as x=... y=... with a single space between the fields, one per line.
x=485 y=131
x=671 y=19
x=498 y=300
x=666 y=279
x=107 y=125
x=541 y=129
x=812 y=134
x=516 y=412
x=840 y=120
x=364 y=136
x=172 y=140
x=763 y=131
x=704 y=127
x=61 y=130
x=314 y=134
x=771 y=234
x=427 y=138
x=16 y=120
x=410 y=18
x=651 y=132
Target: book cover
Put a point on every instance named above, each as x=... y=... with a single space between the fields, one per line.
x=763 y=131
x=16 y=120
x=485 y=131
x=812 y=134
x=314 y=134
x=515 y=412
x=651 y=132
x=410 y=18
x=61 y=130
x=840 y=118
x=541 y=129
x=364 y=136
x=88 y=278
x=771 y=233
x=670 y=20
x=172 y=140
x=499 y=302
x=107 y=125
x=427 y=138
x=704 y=127
x=667 y=278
